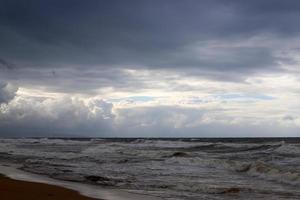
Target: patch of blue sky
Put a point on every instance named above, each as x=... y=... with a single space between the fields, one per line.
x=134 y=98
x=142 y=98
x=245 y=97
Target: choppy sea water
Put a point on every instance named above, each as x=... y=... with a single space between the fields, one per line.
x=172 y=169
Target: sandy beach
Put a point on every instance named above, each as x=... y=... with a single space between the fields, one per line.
x=19 y=190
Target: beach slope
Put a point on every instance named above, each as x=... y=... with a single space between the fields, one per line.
x=19 y=190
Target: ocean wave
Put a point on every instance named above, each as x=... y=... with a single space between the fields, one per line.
x=257 y=168
x=175 y=168
x=231 y=165
x=288 y=149
x=273 y=173
x=233 y=148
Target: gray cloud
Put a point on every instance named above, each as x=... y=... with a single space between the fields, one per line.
x=73 y=80
x=288 y=118
x=7 y=92
x=102 y=35
x=72 y=117
x=56 y=117
x=38 y=116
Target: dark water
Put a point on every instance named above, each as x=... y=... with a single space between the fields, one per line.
x=206 y=168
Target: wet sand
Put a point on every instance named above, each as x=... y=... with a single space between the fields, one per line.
x=21 y=190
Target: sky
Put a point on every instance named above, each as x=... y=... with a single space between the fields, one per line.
x=149 y=68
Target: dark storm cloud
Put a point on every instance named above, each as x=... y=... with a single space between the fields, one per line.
x=101 y=35
x=6 y=65
x=72 y=80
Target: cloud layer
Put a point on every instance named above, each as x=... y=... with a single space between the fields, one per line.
x=141 y=68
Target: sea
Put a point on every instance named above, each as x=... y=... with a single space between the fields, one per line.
x=168 y=168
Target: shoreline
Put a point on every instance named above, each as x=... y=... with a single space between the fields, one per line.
x=89 y=192
x=11 y=189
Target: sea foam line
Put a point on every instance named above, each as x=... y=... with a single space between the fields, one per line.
x=84 y=189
